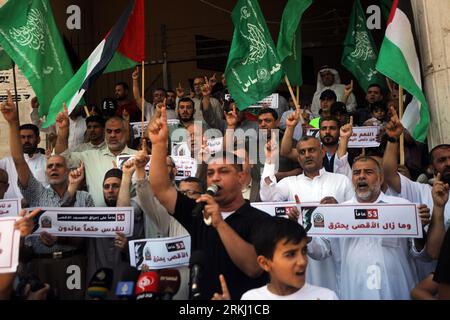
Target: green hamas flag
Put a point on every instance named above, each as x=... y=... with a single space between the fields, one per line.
x=289 y=44
x=5 y=61
x=29 y=35
x=253 y=69
x=360 y=55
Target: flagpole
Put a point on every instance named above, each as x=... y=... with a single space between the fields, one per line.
x=402 y=137
x=298 y=95
x=297 y=106
x=15 y=88
x=87 y=111
x=142 y=100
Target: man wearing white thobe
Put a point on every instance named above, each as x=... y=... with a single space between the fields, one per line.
x=328 y=78
x=372 y=268
x=314 y=185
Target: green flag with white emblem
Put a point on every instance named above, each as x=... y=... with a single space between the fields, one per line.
x=289 y=44
x=5 y=61
x=29 y=35
x=360 y=55
x=253 y=69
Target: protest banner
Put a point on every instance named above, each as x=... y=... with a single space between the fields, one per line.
x=9 y=245
x=364 y=137
x=120 y=160
x=359 y=220
x=160 y=253
x=313 y=132
x=180 y=149
x=9 y=207
x=275 y=209
x=268 y=102
x=137 y=128
x=186 y=167
x=215 y=145
x=86 y=222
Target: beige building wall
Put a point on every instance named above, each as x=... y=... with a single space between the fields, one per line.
x=433 y=28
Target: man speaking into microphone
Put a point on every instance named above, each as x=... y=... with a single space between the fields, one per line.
x=224 y=230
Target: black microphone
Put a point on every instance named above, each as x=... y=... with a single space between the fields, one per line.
x=212 y=191
x=169 y=283
x=125 y=287
x=196 y=264
x=100 y=284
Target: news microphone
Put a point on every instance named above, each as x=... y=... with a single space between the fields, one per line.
x=169 y=283
x=100 y=284
x=212 y=191
x=147 y=286
x=125 y=287
x=196 y=264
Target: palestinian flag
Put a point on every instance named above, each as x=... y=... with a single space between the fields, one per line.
x=122 y=48
x=398 y=60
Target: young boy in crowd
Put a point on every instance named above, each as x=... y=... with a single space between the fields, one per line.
x=281 y=247
x=378 y=111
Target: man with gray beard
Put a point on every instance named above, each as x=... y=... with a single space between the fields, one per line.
x=372 y=268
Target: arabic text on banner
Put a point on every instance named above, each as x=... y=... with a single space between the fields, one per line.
x=364 y=137
x=359 y=220
x=160 y=253
x=87 y=222
x=9 y=207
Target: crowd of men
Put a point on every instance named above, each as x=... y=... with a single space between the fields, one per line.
x=301 y=155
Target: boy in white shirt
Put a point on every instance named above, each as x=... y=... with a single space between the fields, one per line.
x=281 y=247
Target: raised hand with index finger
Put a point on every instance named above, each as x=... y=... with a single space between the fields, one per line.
x=158 y=131
x=76 y=176
x=440 y=192
x=346 y=130
x=9 y=110
x=394 y=127
x=225 y=292
x=62 y=119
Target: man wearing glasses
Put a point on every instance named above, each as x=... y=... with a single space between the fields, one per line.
x=192 y=187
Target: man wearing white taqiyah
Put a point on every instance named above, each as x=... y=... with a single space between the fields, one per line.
x=314 y=185
x=328 y=78
x=373 y=268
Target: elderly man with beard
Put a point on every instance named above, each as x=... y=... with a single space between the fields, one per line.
x=29 y=139
x=373 y=268
x=51 y=255
x=97 y=161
